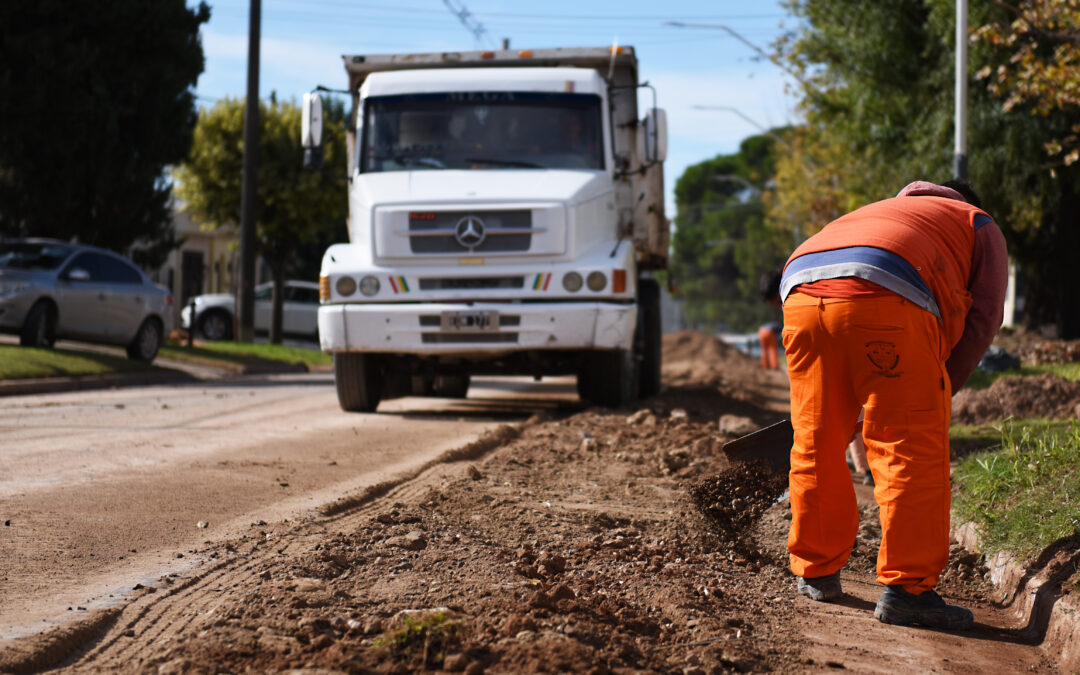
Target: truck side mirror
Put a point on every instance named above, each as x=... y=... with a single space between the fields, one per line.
x=311 y=122
x=655 y=129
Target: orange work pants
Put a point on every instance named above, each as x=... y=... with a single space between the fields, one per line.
x=886 y=355
x=767 y=338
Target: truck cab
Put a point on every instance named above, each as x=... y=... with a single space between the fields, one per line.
x=504 y=211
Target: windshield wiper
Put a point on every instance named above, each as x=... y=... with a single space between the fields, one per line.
x=505 y=162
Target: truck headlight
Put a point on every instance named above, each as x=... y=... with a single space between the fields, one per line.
x=345 y=286
x=369 y=286
x=571 y=281
x=596 y=281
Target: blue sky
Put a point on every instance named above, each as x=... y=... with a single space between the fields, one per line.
x=303 y=40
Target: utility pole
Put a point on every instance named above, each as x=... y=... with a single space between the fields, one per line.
x=961 y=159
x=248 y=192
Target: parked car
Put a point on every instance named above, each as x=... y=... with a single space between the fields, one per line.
x=215 y=313
x=52 y=289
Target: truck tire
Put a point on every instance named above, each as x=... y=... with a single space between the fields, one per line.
x=39 y=328
x=358 y=380
x=452 y=386
x=608 y=378
x=647 y=340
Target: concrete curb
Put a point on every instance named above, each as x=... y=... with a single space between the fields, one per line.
x=49 y=385
x=1049 y=616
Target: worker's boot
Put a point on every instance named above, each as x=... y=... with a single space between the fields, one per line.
x=897 y=606
x=821 y=589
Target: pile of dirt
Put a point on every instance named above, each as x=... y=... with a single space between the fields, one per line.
x=1030 y=396
x=574 y=548
x=735 y=500
x=1034 y=349
x=694 y=359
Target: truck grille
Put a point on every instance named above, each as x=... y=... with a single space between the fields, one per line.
x=430 y=320
x=457 y=232
x=468 y=338
x=482 y=283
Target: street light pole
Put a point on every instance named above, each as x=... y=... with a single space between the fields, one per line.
x=248 y=193
x=961 y=159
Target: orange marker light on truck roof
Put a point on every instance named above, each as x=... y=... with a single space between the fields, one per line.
x=525 y=53
x=618 y=281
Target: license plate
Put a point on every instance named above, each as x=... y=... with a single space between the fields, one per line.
x=470 y=321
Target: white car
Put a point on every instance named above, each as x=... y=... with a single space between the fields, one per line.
x=215 y=313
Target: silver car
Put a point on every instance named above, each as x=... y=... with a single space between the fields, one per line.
x=52 y=289
x=216 y=312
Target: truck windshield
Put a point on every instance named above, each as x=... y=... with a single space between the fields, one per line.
x=482 y=130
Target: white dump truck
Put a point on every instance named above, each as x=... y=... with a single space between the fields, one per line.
x=506 y=209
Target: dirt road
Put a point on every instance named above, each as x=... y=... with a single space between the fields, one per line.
x=598 y=541
x=100 y=490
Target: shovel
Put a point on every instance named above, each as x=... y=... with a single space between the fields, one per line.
x=772 y=443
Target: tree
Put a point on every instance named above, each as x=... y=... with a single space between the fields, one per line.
x=96 y=103
x=721 y=245
x=879 y=113
x=297 y=209
x=1038 y=64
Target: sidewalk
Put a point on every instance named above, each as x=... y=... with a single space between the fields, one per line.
x=169 y=372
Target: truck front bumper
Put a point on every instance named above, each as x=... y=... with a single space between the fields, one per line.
x=423 y=328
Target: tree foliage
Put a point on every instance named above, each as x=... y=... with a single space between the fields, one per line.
x=96 y=103
x=721 y=245
x=1037 y=64
x=297 y=210
x=879 y=113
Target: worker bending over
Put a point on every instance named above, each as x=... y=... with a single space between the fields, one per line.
x=888 y=309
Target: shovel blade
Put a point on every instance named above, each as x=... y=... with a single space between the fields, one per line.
x=772 y=443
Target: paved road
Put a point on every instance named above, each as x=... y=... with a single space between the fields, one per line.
x=100 y=490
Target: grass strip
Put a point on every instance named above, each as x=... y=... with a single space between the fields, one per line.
x=1024 y=494
x=981 y=379
x=20 y=363
x=242 y=355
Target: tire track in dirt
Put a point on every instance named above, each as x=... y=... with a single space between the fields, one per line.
x=156 y=614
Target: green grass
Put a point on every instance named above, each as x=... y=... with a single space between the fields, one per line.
x=1025 y=494
x=981 y=379
x=18 y=363
x=240 y=355
x=430 y=636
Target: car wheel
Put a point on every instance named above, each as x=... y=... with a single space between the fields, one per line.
x=39 y=328
x=215 y=324
x=147 y=341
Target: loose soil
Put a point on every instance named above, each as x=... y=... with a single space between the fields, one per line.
x=606 y=541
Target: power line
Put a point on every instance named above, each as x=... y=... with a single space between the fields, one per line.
x=462 y=12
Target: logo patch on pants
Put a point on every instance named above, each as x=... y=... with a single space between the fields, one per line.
x=884 y=357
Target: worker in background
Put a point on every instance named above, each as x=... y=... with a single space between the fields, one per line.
x=887 y=310
x=769 y=334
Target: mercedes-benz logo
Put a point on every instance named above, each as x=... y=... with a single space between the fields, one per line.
x=470 y=232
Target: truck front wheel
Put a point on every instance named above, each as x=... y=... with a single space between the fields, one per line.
x=359 y=382
x=648 y=341
x=607 y=378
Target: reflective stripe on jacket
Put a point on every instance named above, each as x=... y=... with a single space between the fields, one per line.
x=918 y=247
